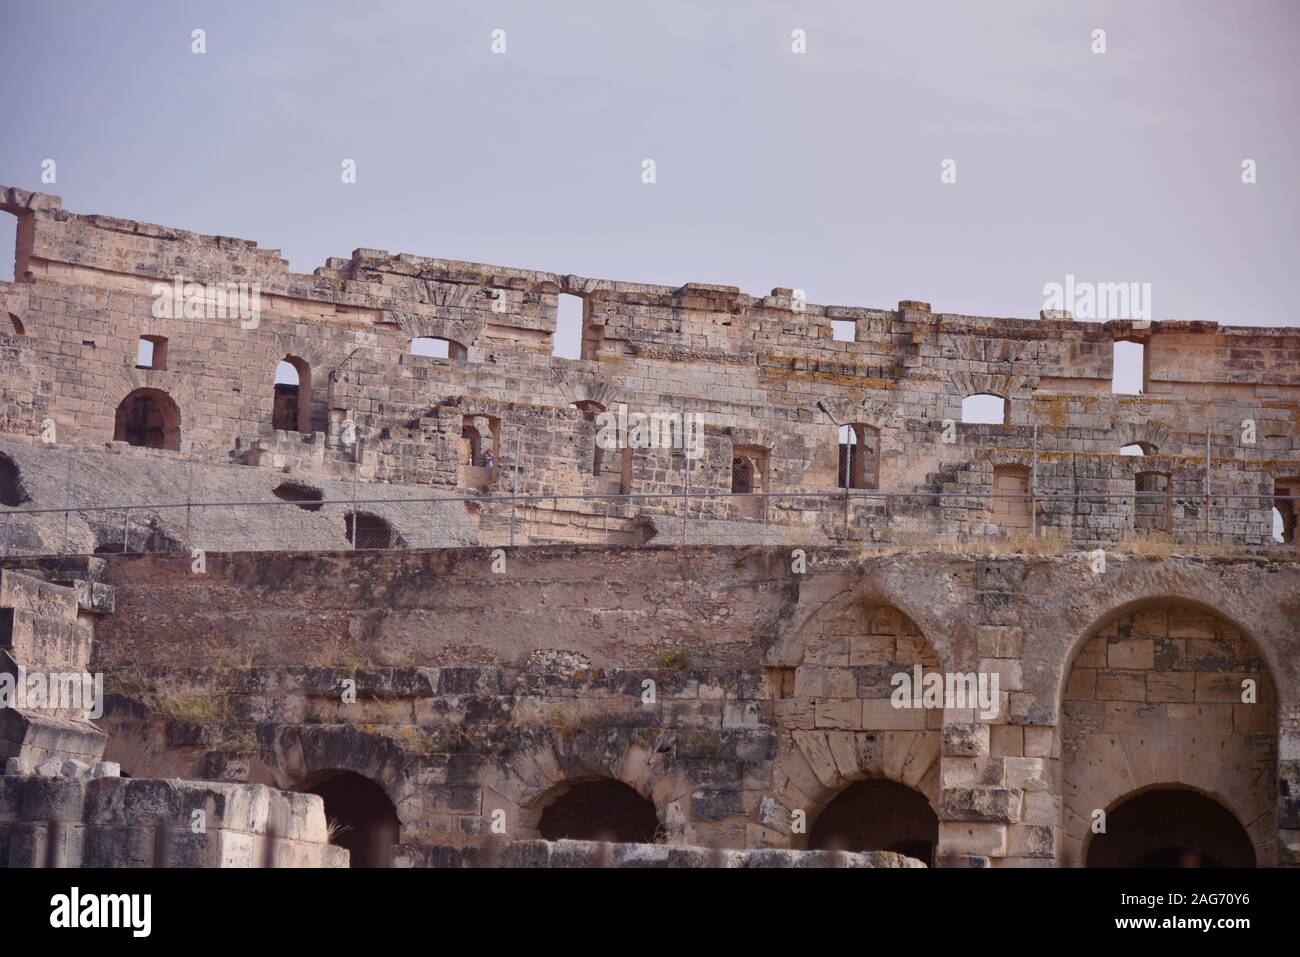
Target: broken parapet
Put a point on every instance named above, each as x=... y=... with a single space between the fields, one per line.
x=46 y=634
x=566 y=854
x=85 y=818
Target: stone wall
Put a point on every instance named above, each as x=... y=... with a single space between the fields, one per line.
x=763 y=371
x=478 y=693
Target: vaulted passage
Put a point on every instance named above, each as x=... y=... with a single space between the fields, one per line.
x=148 y=418
x=603 y=810
x=12 y=492
x=1171 y=828
x=360 y=816
x=877 y=815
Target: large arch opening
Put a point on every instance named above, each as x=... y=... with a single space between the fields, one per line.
x=877 y=814
x=360 y=816
x=1166 y=695
x=600 y=810
x=1171 y=827
x=148 y=418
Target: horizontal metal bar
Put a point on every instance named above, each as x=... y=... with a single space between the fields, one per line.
x=837 y=496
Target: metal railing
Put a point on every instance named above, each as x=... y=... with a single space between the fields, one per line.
x=837 y=512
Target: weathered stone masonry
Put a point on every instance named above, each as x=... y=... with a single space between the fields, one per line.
x=479 y=692
x=501 y=695
x=774 y=388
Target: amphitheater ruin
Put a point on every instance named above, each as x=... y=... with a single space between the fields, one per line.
x=368 y=581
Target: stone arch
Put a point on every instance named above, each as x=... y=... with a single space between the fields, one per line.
x=875 y=412
x=148 y=418
x=291 y=409
x=1153 y=437
x=1152 y=699
x=877 y=814
x=598 y=809
x=301 y=756
x=361 y=816
x=836 y=722
x=1203 y=824
x=536 y=774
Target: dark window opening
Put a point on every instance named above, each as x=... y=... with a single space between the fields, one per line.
x=148 y=418
x=878 y=815
x=1171 y=828
x=304 y=496
x=360 y=817
x=19 y=329
x=603 y=810
x=12 y=492
x=365 y=530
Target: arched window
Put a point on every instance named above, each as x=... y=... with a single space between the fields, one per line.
x=984 y=409
x=600 y=810
x=859 y=458
x=480 y=436
x=1138 y=448
x=877 y=815
x=292 y=409
x=749 y=465
x=360 y=816
x=148 y=418
x=437 y=347
x=17 y=324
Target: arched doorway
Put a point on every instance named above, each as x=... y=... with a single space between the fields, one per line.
x=150 y=419
x=1171 y=827
x=1168 y=697
x=600 y=810
x=359 y=815
x=877 y=815
x=291 y=410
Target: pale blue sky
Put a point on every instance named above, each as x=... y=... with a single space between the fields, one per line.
x=818 y=171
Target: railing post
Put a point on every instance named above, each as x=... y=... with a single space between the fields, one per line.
x=1033 y=488
x=514 y=484
x=356 y=472
x=67 y=503
x=686 y=492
